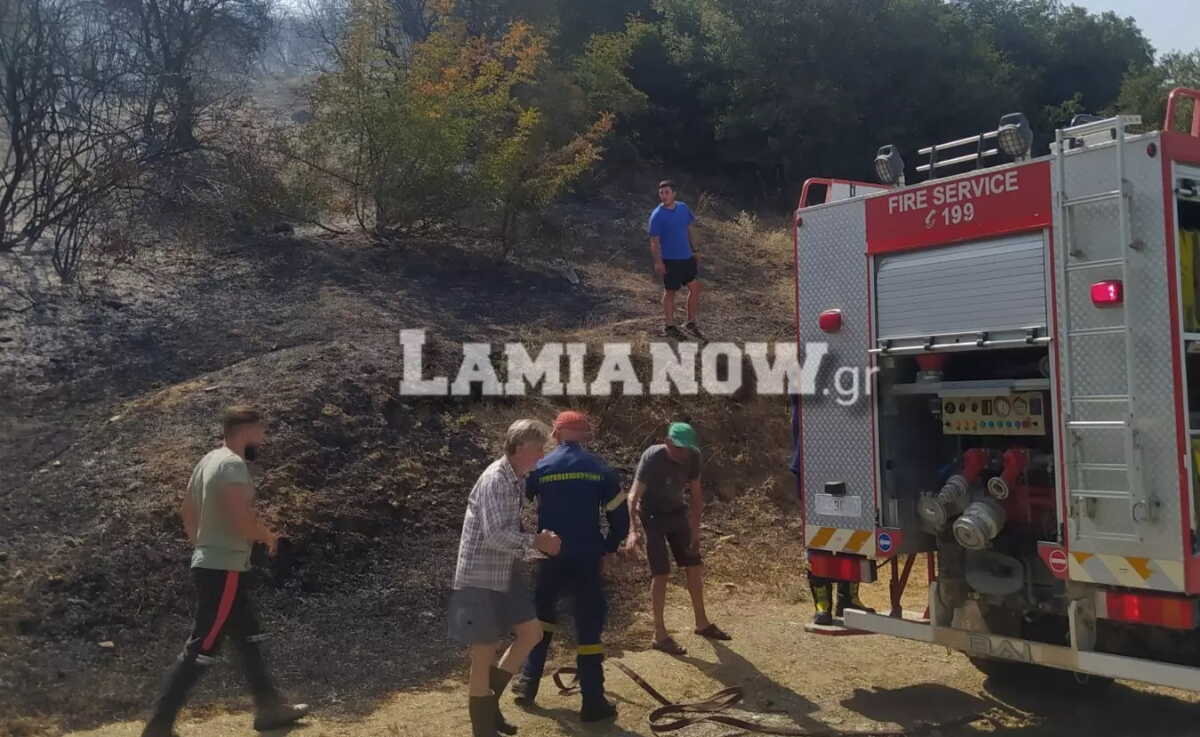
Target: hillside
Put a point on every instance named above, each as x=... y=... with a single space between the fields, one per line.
x=113 y=398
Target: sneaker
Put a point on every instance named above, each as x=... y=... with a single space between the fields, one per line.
x=279 y=715
x=597 y=712
x=672 y=331
x=823 y=619
x=694 y=329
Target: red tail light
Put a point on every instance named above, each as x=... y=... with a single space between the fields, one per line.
x=840 y=567
x=1160 y=610
x=1108 y=293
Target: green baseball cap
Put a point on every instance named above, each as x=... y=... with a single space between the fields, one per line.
x=682 y=435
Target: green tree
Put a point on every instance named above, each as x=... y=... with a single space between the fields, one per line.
x=794 y=90
x=1145 y=90
x=395 y=133
x=1064 y=60
x=462 y=117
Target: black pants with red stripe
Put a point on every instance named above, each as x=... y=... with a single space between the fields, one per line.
x=223 y=607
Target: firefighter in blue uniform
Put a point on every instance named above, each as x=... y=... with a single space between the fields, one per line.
x=824 y=609
x=572 y=487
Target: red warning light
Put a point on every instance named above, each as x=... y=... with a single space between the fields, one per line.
x=1108 y=293
x=830 y=321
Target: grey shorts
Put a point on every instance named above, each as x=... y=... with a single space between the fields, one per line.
x=483 y=616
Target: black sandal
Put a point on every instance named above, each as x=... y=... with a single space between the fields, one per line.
x=713 y=632
x=669 y=646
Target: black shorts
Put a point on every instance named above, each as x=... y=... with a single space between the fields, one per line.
x=673 y=531
x=680 y=271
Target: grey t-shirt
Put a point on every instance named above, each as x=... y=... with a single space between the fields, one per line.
x=665 y=479
x=218 y=545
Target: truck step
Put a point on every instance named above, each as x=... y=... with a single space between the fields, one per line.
x=1097 y=424
x=1089 y=199
x=1108 y=330
x=1095 y=264
x=1102 y=466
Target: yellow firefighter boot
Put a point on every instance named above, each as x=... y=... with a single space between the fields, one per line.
x=848 y=599
x=822 y=594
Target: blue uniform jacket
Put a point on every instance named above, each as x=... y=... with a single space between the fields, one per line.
x=572 y=487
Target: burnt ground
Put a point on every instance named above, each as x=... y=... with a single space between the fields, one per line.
x=110 y=397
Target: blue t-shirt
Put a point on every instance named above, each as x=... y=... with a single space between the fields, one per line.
x=671 y=227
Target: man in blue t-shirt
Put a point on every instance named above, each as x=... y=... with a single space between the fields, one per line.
x=671 y=244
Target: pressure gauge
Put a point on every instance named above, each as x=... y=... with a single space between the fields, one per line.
x=1003 y=407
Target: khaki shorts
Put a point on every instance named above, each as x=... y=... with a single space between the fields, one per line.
x=674 y=532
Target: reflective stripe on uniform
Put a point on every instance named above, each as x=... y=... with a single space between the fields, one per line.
x=549 y=626
x=571 y=476
x=616 y=502
x=591 y=649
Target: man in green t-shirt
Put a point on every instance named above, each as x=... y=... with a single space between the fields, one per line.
x=219 y=518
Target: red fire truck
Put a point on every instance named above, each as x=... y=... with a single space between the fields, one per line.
x=1033 y=424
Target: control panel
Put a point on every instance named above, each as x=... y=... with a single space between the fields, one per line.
x=1007 y=414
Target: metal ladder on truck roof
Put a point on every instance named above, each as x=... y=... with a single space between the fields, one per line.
x=1096 y=464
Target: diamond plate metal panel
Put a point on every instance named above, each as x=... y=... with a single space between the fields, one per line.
x=1100 y=409
x=1104 y=479
x=1095 y=363
x=1096 y=234
x=836 y=442
x=1109 y=521
x=1100 y=446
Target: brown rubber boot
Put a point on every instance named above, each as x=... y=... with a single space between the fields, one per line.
x=276 y=715
x=499 y=681
x=483 y=716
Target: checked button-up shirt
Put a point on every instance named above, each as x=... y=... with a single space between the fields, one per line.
x=492 y=539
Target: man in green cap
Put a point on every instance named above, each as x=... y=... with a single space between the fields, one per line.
x=669 y=520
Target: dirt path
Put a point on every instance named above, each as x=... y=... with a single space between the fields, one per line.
x=857 y=684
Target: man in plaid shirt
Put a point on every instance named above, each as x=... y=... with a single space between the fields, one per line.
x=492 y=596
